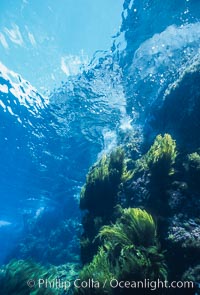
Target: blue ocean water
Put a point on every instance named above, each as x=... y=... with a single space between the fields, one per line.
x=47 y=144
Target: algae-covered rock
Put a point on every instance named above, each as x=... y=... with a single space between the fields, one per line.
x=192 y=275
x=185 y=233
x=129 y=251
x=99 y=194
x=156 y=169
x=160 y=157
x=192 y=168
x=135 y=226
x=21 y=277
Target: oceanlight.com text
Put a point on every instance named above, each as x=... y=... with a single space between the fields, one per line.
x=113 y=283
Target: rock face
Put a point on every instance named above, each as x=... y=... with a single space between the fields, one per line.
x=177 y=111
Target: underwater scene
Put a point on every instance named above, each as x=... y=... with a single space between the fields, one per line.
x=100 y=147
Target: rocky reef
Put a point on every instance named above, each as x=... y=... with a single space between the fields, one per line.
x=165 y=182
